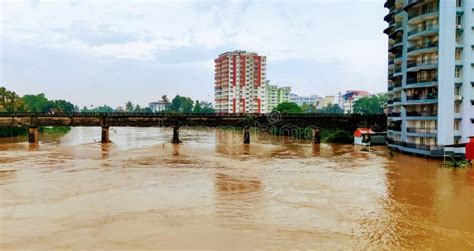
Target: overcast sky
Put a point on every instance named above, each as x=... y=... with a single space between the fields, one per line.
x=113 y=51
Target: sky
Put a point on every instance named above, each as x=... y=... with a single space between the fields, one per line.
x=110 y=51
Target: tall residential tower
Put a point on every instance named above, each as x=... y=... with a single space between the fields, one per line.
x=240 y=83
x=430 y=74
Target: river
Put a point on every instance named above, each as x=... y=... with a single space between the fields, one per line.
x=211 y=192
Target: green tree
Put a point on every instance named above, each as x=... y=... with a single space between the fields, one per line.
x=373 y=104
x=129 y=106
x=288 y=107
x=181 y=104
x=38 y=103
x=331 y=108
x=10 y=101
x=197 y=107
x=308 y=108
x=206 y=107
x=64 y=106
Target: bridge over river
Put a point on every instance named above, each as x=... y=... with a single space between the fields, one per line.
x=315 y=121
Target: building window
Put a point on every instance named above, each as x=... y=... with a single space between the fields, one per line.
x=457 y=90
x=459 y=20
x=459 y=3
x=458 y=72
x=457 y=125
x=458 y=54
x=458 y=37
x=457 y=107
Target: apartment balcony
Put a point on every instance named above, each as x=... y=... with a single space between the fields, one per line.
x=389 y=4
x=389 y=30
x=420 y=83
x=423 y=48
x=420 y=146
x=389 y=16
x=398 y=26
x=393 y=143
x=423 y=31
x=422 y=131
x=422 y=115
x=422 y=14
x=422 y=65
x=429 y=98
x=411 y=3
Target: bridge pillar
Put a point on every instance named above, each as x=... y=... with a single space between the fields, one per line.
x=175 y=139
x=105 y=134
x=247 y=135
x=316 y=136
x=33 y=136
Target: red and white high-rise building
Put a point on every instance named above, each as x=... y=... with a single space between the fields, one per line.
x=240 y=83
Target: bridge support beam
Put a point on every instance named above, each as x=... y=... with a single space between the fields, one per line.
x=105 y=134
x=33 y=135
x=316 y=136
x=175 y=139
x=247 y=135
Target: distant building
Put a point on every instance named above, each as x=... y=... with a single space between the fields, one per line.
x=300 y=100
x=325 y=101
x=240 y=83
x=158 y=106
x=347 y=100
x=276 y=95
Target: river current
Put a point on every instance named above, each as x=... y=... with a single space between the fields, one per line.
x=140 y=192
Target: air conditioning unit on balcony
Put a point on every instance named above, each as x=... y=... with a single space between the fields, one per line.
x=458 y=26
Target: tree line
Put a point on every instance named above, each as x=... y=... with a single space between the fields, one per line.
x=179 y=104
x=12 y=102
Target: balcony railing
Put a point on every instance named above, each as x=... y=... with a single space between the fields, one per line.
x=425 y=130
x=422 y=29
x=423 y=11
x=421 y=80
x=423 y=46
x=398 y=69
x=395 y=100
x=428 y=96
x=431 y=61
x=422 y=114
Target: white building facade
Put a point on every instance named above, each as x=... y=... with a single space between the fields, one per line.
x=240 y=83
x=158 y=106
x=430 y=74
x=300 y=100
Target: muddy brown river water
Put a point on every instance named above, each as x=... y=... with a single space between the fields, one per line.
x=212 y=192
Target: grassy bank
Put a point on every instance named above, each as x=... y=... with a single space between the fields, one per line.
x=12 y=131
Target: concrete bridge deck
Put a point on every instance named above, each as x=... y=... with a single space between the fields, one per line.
x=322 y=121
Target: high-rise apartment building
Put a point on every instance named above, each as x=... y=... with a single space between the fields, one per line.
x=276 y=95
x=240 y=83
x=430 y=74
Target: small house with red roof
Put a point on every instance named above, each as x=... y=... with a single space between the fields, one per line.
x=362 y=136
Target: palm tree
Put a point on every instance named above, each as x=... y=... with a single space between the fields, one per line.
x=129 y=106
